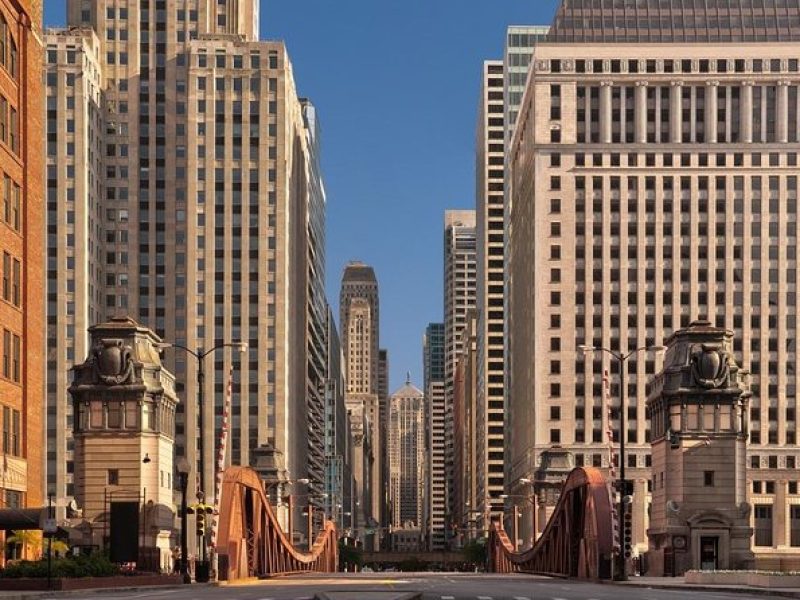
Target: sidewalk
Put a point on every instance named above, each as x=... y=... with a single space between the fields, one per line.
x=92 y=591
x=678 y=583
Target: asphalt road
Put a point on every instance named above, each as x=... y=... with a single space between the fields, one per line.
x=431 y=586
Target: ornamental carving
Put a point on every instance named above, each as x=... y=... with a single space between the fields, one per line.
x=710 y=366
x=112 y=363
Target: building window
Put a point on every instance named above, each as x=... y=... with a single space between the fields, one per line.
x=763 y=525
x=6 y=353
x=113 y=477
x=6 y=276
x=555 y=413
x=555 y=436
x=16 y=359
x=794 y=525
x=708 y=478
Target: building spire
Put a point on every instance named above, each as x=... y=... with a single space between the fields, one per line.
x=408 y=377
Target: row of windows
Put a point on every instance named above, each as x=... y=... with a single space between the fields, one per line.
x=12 y=356
x=9 y=59
x=9 y=125
x=661 y=115
x=12 y=203
x=755 y=65
x=12 y=280
x=12 y=431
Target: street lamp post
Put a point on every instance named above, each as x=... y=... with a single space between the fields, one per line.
x=532 y=500
x=199 y=355
x=621 y=359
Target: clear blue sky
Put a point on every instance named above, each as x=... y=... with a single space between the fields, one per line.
x=396 y=83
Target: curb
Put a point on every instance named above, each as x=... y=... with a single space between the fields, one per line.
x=33 y=595
x=771 y=592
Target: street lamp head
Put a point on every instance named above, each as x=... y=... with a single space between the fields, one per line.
x=585 y=349
x=161 y=346
x=304 y=480
x=504 y=496
x=657 y=348
x=525 y=480
x=243 y=347
x=182 y=465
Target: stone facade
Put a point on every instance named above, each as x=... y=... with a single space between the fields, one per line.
x=125 y=404
x=699 y=412
x=22 y=325
x=649 y=183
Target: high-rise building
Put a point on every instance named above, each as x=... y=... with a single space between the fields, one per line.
x=22 y=226
x=207 y=223
x=459 y=297
x=338 y=437
x=467 y=512
x=383 y=421
x=433 y=352
x=502 y=85
x=489 y=287
x=407 y=456
x=359 y=323
x=665 y=189
x=76 y=128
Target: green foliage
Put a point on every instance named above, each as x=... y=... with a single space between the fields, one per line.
x=96 y=565
x=349 y=555
x=412 y=564
x=475 y=552
x=27 y=538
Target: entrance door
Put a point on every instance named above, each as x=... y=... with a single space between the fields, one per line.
x=709 y=553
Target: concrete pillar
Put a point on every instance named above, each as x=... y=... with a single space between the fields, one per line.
x=782 y=112
x=712 y=93
x=675 y=116
x=641 y=112
x=780 y=516
x=746 y=112
x=605 y=112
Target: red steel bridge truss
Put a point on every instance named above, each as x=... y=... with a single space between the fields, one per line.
x=578 y=540
x=251 y=542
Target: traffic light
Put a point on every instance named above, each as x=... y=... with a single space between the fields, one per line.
x=201 y=523
x=627 y=532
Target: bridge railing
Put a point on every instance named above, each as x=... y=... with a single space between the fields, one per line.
x=251 y=542
x=578 y=540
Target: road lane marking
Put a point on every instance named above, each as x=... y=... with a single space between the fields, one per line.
x=448 y=598
x=484 y=598
x=521 y=598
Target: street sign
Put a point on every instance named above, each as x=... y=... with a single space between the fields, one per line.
x=50 y=526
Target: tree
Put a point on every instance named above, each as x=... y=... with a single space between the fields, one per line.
x=29 y=539
x=475 y=552
x=349 y=556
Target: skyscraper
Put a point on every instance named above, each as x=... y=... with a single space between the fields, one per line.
x=665 y=189
x=433 y=352
x=383 y=422
x=459 y=297
x=406 y=451
x=359 y=322
x=21 y=241
x=489 y=287
x=208 y=150
x=502 y=85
